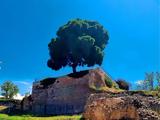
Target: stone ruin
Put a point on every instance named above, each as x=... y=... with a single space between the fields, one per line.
x=122 y=106
x=64 y=95
x=82 y=93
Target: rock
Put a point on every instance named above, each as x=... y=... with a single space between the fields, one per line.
x=109 y=109
x=118 y=107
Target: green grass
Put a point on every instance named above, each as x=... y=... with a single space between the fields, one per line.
x=7 y=100
x=147 y=92
x=3 y=100
x=29 y=117
x=153 y=93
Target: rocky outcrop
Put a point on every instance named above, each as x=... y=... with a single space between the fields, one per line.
x=123 y=106
x=110 y=109
x=65 y=95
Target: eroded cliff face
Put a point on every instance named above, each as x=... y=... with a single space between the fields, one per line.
x=67 y=94
x=123 y=106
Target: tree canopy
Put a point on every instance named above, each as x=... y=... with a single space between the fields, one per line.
x=9 y=89
x=78 y=43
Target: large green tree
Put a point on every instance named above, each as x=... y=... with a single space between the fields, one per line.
x=9 y=89
x=78 y=43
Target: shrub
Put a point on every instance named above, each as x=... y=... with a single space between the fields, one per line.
x=123 y=84
x=108 y=82
x=47 y=81
x=115 y=85
x=157 y=88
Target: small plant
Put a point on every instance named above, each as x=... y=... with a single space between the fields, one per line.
x=115 y=85
x=123 y=84
x=157 y=88
x=108 y=82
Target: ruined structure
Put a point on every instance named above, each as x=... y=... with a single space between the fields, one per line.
x=122 y=106
x=64 y=95
x=86 y=93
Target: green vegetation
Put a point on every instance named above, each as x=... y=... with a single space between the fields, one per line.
x=97 y=89
x=108 y=82
x=124 y=85
x=78 y=43
x=111 y=86
x=9 y=89
x=47 y=81
x=115 y=85
x=78 y=74
x=147 y=93
x=5 y=100
x=153 y=93
x=150 y=85
x=151 y=82
x=29 y=117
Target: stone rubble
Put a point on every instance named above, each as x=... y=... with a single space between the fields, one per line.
x=134 y=107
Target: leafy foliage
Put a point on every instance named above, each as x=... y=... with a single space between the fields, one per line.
x=158 y=78
x=9 y=89
x=115 y=85
x=108 y=82
x=78 y=74
x=157 y=88
x=151 y=82
x=78 y=43
x=123 y=84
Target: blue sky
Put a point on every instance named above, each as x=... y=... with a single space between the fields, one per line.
x=26 y=27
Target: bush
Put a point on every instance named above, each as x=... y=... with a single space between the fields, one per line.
x=123 y=84
x=115 y=85
x=108 y=82
x=157 y=88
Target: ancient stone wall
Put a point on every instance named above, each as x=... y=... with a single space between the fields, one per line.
x=67 y=94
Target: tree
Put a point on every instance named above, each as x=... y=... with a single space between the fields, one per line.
x=149 y=80
x=158 y=78
x=158 y=81
x=9 y=89
x=78 y=43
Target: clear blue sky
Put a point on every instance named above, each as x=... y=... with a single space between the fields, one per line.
x=26 y=27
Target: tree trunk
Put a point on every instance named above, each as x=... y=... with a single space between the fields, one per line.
x=74 y=68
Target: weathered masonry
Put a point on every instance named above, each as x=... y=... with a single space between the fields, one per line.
x=64 y=95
